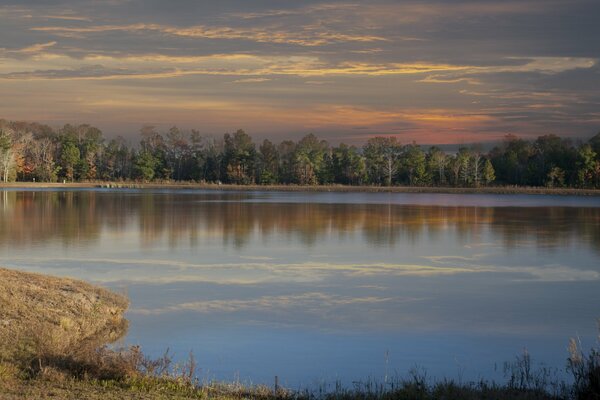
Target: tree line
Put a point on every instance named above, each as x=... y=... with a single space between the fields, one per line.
x=36 y=152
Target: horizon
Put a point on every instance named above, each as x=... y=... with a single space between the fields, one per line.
x=444 y=73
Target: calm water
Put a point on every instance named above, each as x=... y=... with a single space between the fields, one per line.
x=324 y=286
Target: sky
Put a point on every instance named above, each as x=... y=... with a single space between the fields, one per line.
x=443 y=72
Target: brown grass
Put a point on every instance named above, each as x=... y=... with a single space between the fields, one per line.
x=43 y=318
x=312 y=188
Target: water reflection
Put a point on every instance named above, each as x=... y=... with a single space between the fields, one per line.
x=323 y=285
x=182 y=219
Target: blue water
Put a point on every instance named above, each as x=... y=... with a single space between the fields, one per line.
x=316 y=287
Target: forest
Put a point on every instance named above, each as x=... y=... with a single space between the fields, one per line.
x=36 y=152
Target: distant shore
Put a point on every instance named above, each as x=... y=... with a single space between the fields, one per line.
x=308 y=188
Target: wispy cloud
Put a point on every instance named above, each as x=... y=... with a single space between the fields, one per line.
x=448 y=70
x=311 y=302
x=260 y=35
x=251 y=80
x=33 y=49
x=67 y=17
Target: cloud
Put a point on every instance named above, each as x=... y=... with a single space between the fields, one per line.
x=303 y=11
x=67 y=18
x=35 y=48
x=373 y=56
x=251 y=80
x=311 y=302
x=306 y=37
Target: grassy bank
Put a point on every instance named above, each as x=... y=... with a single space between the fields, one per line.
x=311 y=188
x=54 y=331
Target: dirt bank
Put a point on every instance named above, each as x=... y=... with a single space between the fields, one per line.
x=43 y=316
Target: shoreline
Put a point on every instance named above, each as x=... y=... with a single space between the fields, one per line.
x=500 y=190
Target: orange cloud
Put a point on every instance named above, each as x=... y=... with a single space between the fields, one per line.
x=261 y=35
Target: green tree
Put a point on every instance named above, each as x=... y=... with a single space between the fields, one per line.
x=595 y=143
x=144 y=165
x=382 y=158
x=309 y=159
x=414 y=162
x=287 y=151
x=464 y=161
x=91 y=146
x=239 y=157
x=488 y=174
x=555 y=177
x=437 y=161
x=347 y=165
x=511 y=161
x=269 y=163
x=70 y=157
x=154 y=143
x=116 y=160
x=586 y=166
x=177 y=152
x=477 y=162
x=551 y=151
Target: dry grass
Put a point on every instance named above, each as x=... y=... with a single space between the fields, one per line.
x=44 y=318
x=312 y=188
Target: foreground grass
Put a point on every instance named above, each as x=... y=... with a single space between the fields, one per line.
x=54 y=384
x=52 y=346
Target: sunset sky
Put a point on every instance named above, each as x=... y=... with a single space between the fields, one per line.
x=440 y=72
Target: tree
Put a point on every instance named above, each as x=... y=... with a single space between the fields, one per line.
x=213 y=155
x=595 y=143
x=309 y=159
x=464 y=162
x=555 y=177
x=116 y=161
x=197 y=155
x=91 y=144
x=551 y=151
x=489 y=174
x=382 y=157
x=177 y=149
x=347 y=165
x=477 y=160
x=6 y=154
x=144 y=165
x=269 y=163
x=239 y=157
x=511 y=160
x=154 y=143
x=586 y=166
x=69 y=158
x=44 y=167
x=286 y=151
x=416 y=168
x=437 y=162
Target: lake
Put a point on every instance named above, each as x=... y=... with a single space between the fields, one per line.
x=319 y=287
